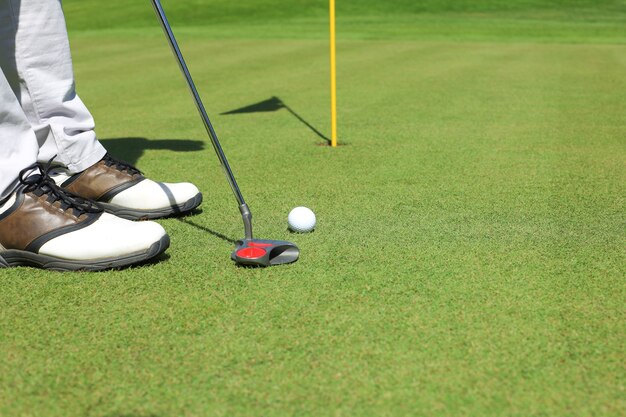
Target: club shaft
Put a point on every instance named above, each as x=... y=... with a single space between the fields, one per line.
x=245 y=211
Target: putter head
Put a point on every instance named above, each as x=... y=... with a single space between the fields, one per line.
x=256 y=252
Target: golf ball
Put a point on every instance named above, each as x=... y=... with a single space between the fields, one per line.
x=301 y=220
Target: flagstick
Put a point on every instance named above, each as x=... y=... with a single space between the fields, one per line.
x=333 y=77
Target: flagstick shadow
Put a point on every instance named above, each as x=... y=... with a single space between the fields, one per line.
x=307 y=124
x=275 y=104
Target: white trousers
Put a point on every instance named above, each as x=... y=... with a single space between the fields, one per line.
x=40 y=113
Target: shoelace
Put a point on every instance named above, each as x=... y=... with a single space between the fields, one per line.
x=42 y=184
x=121 y=165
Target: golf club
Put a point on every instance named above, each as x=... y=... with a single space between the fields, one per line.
x=248 y=251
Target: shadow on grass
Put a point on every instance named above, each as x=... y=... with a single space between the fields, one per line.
x=131 y=149
x=209 y=231
x=271 y=105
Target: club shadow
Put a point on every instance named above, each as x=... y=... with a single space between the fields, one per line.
x=209 y=231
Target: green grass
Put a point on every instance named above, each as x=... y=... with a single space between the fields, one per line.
x=470 y=252
x=579 y=21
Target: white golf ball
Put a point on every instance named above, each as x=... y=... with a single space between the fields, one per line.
x=301 y=220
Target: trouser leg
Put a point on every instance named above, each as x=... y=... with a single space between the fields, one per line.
x=39 y=70
x=18 y=144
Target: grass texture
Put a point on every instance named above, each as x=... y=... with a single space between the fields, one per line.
x=579 y=21
x=469 y=258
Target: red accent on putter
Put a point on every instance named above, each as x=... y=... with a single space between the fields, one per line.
x=251 y=253
x=259 y=245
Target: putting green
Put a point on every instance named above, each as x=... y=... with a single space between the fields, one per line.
x=469 y=257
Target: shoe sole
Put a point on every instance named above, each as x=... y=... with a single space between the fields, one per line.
x=132 y=214
x=15 y=258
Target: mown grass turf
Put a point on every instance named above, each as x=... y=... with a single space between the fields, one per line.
x=469 y=257
x=521 y=20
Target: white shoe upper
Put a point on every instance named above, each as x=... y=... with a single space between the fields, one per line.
x=151 y=195
x=107 y=237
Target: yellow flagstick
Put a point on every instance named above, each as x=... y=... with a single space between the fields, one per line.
x=333 y=77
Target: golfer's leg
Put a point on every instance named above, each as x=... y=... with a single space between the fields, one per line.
x=18 y=145
x=43 y=78
x=41 y=74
